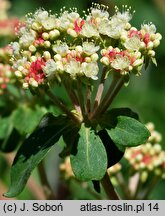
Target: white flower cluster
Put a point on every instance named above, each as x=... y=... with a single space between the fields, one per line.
x=51 y=45
x=6 y=73
x=148 y=157
x=5 y=76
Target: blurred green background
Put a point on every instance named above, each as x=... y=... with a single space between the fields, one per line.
x=145 y=94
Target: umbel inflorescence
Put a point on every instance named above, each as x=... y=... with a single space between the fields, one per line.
x=74 y=48
x=51 y=45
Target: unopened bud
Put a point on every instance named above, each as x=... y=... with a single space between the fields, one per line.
x=47 y=44
x=137 y=63
x=144 y=176
x=45 y=36
x=18 y=73
x=47 y=55
x=130 y=68
x=25 y=72
x=156 y=43
x=36 y=26
x=138 y=55
x=25 y=85
x=150 y=45
x=105 y=60
x=133 y=29
x=151 y=53
x=103 y=52
x=78 y=48
x=33 y=58
x=127 y=26
x=157 y=148
x=153 y=37
x=54 y=34
x=158 y=36
x=139 y=157
x=142 y=45
x=94 y=57
x=150 y=126
x=32 y=48
x=33 y=83
x=57 y=57
x=20 y=68
x=123 y=37
x=87 y=59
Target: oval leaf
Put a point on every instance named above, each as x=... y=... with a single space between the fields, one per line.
x=128 y=132
x=33 y=150
x=90 y=160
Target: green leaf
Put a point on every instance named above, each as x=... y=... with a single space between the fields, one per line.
x=128 y=132
x=34 y=149
x=90 y=160
x=10 y=142
x=25 y=119
x=5 y=127
x=109 y=119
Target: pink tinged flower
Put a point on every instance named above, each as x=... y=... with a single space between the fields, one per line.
x=146 y=159
x=135 y=153
x=146 y=38
x=36 y=71
x=133 y=33
x=78 y=24
x=39 y=41
x=3 y=85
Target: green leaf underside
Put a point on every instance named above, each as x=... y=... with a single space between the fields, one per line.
x=128 y=132
x=33 y=150
x=90 y=161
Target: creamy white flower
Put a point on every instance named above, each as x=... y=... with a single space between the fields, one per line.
x=121 y=18
x=90 y=70
x=120 y=63
x=41 y=15
x=73 y=16
x=22 y=30
x=89 y=48
x=49 y=23
x=60 y=49
x=89 y=30
x=149 y=28
x=50 y=67
x=73 y=68
x=20 y=62
x=26 y=39
x=63 y=21
x=133 y=43
x=115 y=31
x=16 y=48
x=98 y=13
x=105 y=27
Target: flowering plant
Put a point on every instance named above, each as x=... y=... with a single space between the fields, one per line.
x=82 y=55
x=145 y=165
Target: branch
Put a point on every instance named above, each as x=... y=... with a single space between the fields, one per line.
x=60 y=104
x=108 y=187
